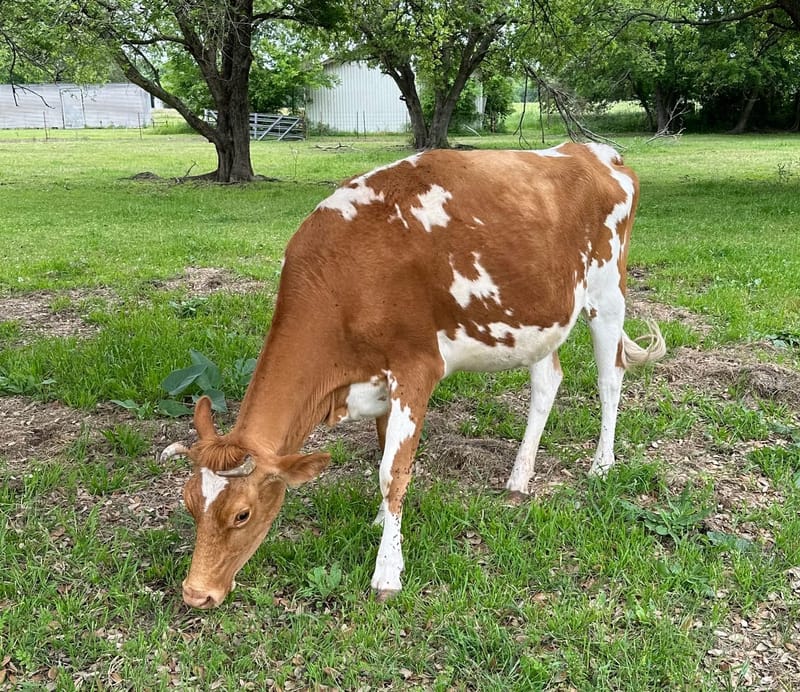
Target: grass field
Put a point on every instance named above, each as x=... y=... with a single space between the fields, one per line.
x=680 y=571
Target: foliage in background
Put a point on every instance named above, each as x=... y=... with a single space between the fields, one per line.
x=440 y=46
x=217 y=37
x=287 y=62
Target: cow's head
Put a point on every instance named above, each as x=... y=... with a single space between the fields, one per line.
x=234 y=496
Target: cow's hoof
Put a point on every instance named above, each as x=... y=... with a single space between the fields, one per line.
x=515 y=498
x=383 y=595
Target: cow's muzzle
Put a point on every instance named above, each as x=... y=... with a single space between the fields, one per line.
x=202 y=598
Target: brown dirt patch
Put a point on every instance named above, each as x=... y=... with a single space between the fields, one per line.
x=34 y=313
x=640 y=307
x=40 y=431
x=204 y=281
x=736 y=366
x=759 y=651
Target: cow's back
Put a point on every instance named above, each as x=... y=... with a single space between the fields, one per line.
x=476 y=244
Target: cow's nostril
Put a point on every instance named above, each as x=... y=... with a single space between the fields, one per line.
x=198 y=599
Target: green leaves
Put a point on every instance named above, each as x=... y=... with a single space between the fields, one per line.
x=676 y=518
x=202 y=378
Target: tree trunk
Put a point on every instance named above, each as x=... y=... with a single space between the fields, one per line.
x=662 y=109
x=404 y=77
x=744 y=116
x=233 y=145
x=443 y=106
x=641 y=96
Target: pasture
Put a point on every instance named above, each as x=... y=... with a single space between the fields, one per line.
x=681 y=570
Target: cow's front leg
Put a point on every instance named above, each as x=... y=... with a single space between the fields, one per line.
x=409 y=394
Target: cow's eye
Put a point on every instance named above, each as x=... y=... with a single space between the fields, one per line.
x=242 y=517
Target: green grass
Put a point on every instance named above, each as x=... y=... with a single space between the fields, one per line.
x=615 y=584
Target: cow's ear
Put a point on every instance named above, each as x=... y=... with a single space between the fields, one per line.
x=296 y=469
x=203 y=422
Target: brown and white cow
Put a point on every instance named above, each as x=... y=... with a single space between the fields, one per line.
x=444 y=261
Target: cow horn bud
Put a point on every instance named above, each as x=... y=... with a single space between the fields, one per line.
x=247 y=467
x=177 y=449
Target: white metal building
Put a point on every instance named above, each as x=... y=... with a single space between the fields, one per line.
x=74 y=106
x=362 y=99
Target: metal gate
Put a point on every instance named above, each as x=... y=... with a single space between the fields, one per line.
x=72 y=108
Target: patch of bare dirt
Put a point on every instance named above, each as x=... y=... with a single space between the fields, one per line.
x=34 y=313
x=32 y=430
x=761 y=651
x=203 y=281
x=39 y=431
x=640 y=307
x=732 y=366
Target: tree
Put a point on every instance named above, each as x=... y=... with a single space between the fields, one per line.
x=286 y=62
x=34 y=49
x=739 y=67
x=437 y=44
x=216 y=35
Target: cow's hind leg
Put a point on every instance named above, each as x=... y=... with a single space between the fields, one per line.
x=409 y=391
x=606 y=329
x=546 y=377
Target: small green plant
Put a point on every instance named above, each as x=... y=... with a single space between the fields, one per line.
x=191 y=307
x=321 y=583
x=202 y=378
x=141 y=411
x=126 y=440
x=339 y=451
x=23 y=384
x=785 y=339
x=677 y=518
x=243 y=369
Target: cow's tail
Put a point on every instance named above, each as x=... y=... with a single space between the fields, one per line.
x=644 y=349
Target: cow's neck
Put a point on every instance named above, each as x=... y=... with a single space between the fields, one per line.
x=291 y=388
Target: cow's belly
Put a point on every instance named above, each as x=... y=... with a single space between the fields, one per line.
x=530 y=344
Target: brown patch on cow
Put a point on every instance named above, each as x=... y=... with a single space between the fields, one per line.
x=537 y=276
x=217 y=454
x=592 y=313
x=620 y=362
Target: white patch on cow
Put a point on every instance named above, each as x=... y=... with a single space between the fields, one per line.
x=478 y=221
x=530 y=344
x=367 y=400
x=552 y=152
x=389 y=564
x=431 y=211
x=611 y=158
x=481 y=288
x=605 y=153
x=399 y=428
x=357 y=192
x=345 y=200
x=211 y=486
x=398 y=215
